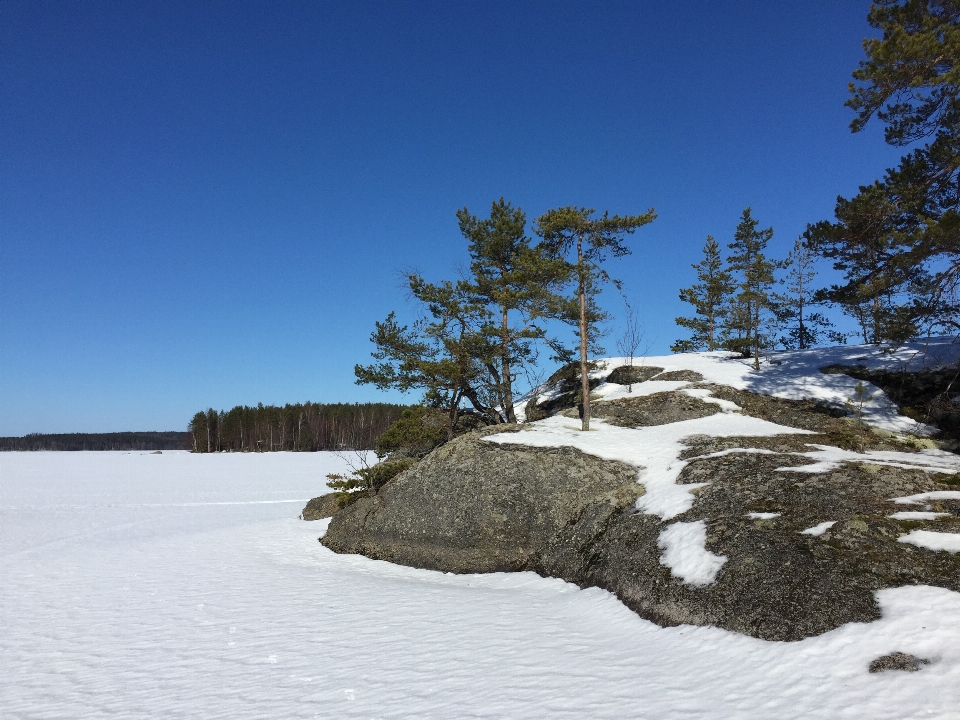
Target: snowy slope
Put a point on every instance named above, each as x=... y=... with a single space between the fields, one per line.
x=180 y=585
x=794 y=375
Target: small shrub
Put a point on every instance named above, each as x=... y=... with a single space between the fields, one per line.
x=366 y=481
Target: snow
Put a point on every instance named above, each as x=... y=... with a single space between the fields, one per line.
x=925 y=496
x=179 y=585
x=909 y=515
x=763 y=515
x=653 y=450
x=796 y=375
x=706 y=396
x=685 y=553
x=933 y=540
x=828 y=457
x=819 y=529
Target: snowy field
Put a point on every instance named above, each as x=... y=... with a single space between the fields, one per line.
x=184 y=586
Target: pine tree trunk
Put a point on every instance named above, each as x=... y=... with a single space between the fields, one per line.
x=584 y=377
x=506 y=381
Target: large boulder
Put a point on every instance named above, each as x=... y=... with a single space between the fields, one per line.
x=477 y=506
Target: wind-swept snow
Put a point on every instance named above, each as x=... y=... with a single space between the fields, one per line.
x=166 y=586
x=828 y=457
x=920 y=515
x=684 y=546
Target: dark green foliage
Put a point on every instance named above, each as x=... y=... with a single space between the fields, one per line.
x=478 y=333
x=366 y=481
x=420 y=429
x=572 y=231
x=896 y=241
x=415 y=433
x=710 y=298
x=98 y=441
x=516 y=283
x=744 y=330
x=300 y=427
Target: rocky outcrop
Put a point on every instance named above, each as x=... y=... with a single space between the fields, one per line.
x=320 y=507
x=474 y=506
x=648 y=410
x=632 y=374
x=478 y=506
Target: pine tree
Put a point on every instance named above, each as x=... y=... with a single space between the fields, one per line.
x=710 y=299
x=863 y=245
x=897 y=237
x=752 y=302
x=517 y=283
x=802 y=328
x=570 y=229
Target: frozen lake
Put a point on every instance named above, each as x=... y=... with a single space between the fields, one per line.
x=184 y=586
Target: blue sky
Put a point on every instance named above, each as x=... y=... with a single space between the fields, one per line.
x=209 y=204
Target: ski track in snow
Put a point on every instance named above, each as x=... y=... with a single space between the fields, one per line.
x=123 y=596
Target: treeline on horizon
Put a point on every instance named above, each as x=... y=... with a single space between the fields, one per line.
x=97 y=441
x=307 y=427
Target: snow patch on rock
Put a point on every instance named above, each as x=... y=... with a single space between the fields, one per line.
x=685 y=553
x=933 y=540
x=819 y=529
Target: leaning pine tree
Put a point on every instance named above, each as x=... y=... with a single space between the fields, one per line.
x=570 y=230
x=710 y=298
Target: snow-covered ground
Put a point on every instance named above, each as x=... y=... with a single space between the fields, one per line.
x=795 y=375
x=176 y=585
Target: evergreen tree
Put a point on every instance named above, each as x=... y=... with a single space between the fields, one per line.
x=570 y=229
x=745 y=330
x=908 y=221
x=710 y=299
x=803 y=328
x=516 y=282
x=437 y=356
x=863 y=244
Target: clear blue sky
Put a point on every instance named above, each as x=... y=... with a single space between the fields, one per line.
x=208 y=204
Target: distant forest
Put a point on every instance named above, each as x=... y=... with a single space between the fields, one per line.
x=98 y=441
x=307 y=427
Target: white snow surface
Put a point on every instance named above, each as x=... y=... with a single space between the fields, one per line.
x=915 y=515
x=819 y=529
x=920 y=498
x=932 y=540
x=684 y=546
x=183 y=586
x=828 y=457
x=763 y=515
x=796 y=375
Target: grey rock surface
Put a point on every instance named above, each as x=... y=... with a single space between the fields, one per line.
x=320 y=507
x=897 y=661
x=656 y=409
x=630 y=374
x=477 y=506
